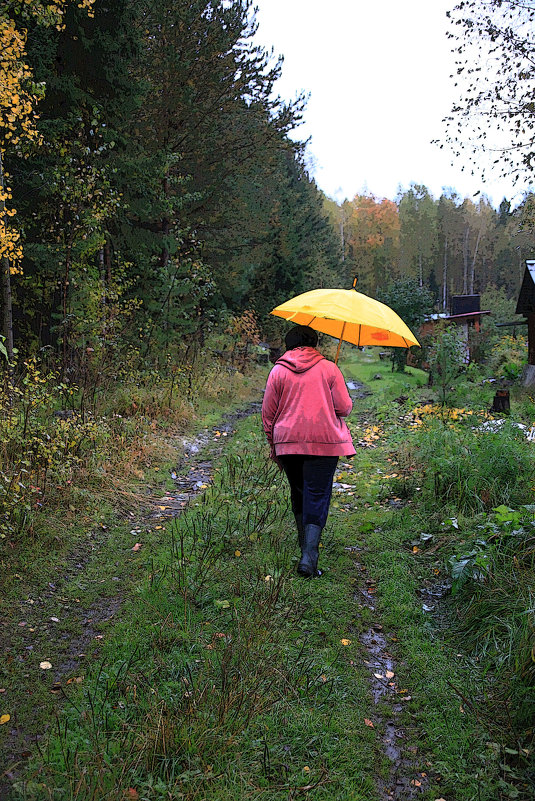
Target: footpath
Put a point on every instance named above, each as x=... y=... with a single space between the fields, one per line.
x=176 y=654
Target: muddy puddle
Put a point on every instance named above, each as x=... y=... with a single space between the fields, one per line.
x=357 y=390
x=194 y=474
x=407 y=777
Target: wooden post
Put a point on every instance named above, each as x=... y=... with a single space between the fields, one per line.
x=531 y=338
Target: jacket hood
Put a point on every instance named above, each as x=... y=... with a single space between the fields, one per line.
x=299 y=360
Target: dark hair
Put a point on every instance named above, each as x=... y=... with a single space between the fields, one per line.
x=301 y=336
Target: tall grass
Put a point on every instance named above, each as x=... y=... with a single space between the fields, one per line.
x=221 y=687
x=496 y=611
x=466 y=468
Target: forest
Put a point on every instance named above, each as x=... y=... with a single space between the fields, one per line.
x=152 y=192
x=156 y=203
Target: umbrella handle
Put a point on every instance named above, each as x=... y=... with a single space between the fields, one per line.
x=340 y=344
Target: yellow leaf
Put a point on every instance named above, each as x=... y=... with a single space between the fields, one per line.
x=344 y=641
x=237 y=553
x=4 y=719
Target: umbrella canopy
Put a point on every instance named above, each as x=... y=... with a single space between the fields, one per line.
x=349 y=316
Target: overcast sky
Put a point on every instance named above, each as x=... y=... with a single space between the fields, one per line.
x=378 y=77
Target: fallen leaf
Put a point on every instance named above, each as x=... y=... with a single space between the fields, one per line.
x=45 y=665
x=416 y=783
x=378 y=675
x=4 y=719
x=237 y=553
x=344 y=641
x=306 y=769
x=368 y=723
x=390 y=674
x=137 y=546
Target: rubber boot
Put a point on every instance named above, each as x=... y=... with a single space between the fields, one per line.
x=308 y=566
x=300 y=530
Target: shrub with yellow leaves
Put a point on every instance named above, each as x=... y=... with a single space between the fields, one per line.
x=19 y=95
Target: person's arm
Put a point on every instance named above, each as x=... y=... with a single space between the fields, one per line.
x=270 y=405
x=341 y=399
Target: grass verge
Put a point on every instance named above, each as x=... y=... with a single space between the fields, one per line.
x=227 y=677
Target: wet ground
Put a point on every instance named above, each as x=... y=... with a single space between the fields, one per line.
x=34 y=621
x=407 y=778
x=193 y=473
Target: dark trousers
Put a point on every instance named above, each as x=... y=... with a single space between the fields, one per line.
x=311 y=484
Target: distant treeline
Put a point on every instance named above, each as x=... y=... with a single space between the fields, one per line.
x=450 y=245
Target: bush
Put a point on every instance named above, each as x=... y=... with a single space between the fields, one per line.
x=492 y=582
x=470 y=469
x=447 y=357
x=508 y=356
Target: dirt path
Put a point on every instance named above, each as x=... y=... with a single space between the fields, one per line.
x=31 y=626
x=41 y=614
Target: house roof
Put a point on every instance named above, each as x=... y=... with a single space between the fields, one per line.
x=466 y=316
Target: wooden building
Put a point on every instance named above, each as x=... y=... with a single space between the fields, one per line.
x=526 y=306
x=465 y=313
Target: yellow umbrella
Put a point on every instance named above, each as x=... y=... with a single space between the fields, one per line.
x=349 y=316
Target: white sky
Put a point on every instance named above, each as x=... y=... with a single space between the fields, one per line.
x=378 y=77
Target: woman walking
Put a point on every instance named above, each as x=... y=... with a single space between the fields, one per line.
x=305 y=401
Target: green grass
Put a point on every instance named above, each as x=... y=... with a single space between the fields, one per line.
x=225 y=677
x=242 y=685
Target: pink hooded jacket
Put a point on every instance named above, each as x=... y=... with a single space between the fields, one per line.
x=305 y=400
